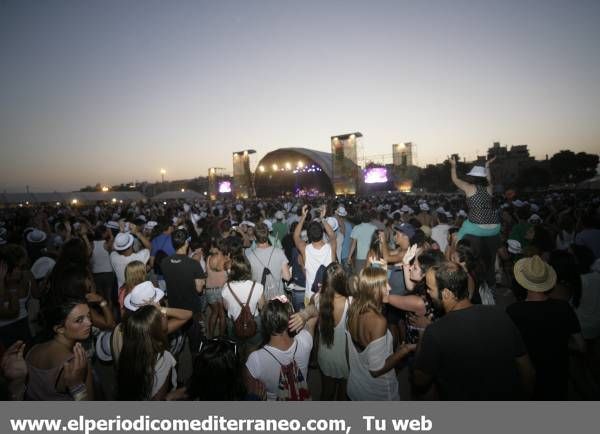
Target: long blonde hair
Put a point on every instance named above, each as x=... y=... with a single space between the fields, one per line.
x=372 y=282
x=135 y=273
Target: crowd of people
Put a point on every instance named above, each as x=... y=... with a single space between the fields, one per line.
x=468 y=296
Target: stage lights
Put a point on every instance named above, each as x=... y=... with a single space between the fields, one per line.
x=301 y=167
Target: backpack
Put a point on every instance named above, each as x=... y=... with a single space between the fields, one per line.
x=267 y=280
x=292 y=384
x=245 y=324
x=319 y=277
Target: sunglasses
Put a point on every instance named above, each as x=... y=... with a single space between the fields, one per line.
x=219 y=340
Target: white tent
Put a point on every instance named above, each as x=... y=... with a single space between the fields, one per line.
x=178 y=194
x=590 y=184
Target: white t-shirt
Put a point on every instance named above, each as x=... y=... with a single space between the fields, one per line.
x=314 y=258
x=242 y=290
x=101 y=258
x=119 y=262
x=262 y=366
x=439 y=234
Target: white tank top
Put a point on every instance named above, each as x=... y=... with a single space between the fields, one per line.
x=100 y=259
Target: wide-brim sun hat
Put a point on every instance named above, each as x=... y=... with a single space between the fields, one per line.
x=143 y=294
x=478 y=171
x=534 y=274
x=36 y=236
x=514 y=247
x=151 y=224
x=341 y=211
x=42 y=267
x=123 y=241
x=112 y=225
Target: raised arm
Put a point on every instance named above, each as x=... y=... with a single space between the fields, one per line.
x=176 y=318
x=409 y=303
x=330 y=234
x=412 y=252
x=104 y=318
x=300 y=244
x=488 y=174
x=464 y=186
x=145 y=241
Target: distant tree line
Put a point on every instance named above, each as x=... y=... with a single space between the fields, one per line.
x=565 y=167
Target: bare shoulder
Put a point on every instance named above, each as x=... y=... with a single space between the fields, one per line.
x=46 y=356
x=470 y=190
x=375 y=325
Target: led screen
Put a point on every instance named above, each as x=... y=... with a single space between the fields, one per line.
x=376 y=175
x=225 y=187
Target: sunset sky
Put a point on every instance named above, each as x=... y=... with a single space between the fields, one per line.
x=111 y=92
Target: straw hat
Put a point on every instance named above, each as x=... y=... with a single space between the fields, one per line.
x=534 y=274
